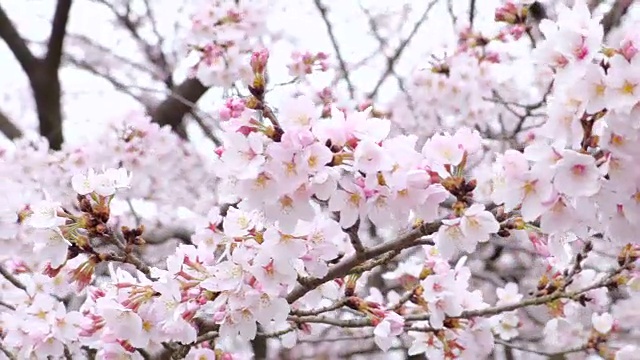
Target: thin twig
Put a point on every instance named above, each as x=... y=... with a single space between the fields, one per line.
x=8 y=306
x=355 y=238
x=540 y=352
x=346 y=265
x=334 y=41
x=12 y=279
x=335 y=306
x=472 y=12
x=134 y=213
x=7 y=353
x=394 y=58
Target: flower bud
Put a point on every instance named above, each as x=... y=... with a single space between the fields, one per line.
x=511 y=14
x=259 y=61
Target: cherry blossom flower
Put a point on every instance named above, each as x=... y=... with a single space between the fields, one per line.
x=44 y=215
x=602 y=322
x=577 y=175
x=391 y=326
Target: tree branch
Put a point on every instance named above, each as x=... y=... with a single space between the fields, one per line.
x=42 y=73
x=472 y=12
x=346 y=265
x=171 y=111
x=8 y=128
x=391 y=62
x=117 y=84
x=540 y=352
x=593 y=4
x=58 y=32
x=12 y=279
x=153 y=53
x=334 y=42
x=16 y=44
x=612 y=19
x=4 y=350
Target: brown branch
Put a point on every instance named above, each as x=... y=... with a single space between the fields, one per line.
x=343 y=65
x=537 y=12
x=472 y=12
x=613 y=18
x=593 y=4
x=106 y=53
x=58 y=32
x=172 y=110
x=206 y=129
x=153 y=53
x=345 y=266
x=608 y=280
x=540 y=300
x=335 y=306
x=355 y=240
x=12 y=279
x=146 y=102
x=48 y=97
x=16 y=44
x=117 y=84
x=42 y=73
x=383 y=42
x=540 y=352
x=5 y=351
x=8 y=128
x=8 y=306
x=169 y=111
x=260 y=347
x=160 y=236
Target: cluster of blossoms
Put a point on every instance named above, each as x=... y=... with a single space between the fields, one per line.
x=303 y=64
x=453 y=91
x=577 y=176
x=223 y=34
x=346 y=160
x=315 y=204
x=451 y=94
x=163 y=162
x=39 y=322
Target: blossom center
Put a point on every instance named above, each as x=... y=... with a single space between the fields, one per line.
x=261 y=181
x=628 y=88
x=617 y=140
x=529 y=188
x=578 y=169
x=286 y=202
x=313 y=161
x=354 y=199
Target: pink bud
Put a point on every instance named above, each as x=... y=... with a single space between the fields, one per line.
x=259 y=60
x=51 y=272
x=365 y=105
x=517 y=31
x=628 y=50
x=508 y=13
x=225 y=114
x=219 y=316
x=238 y=104
x=306 y=138
x=245 y=130
x=96 y=293
x=492 y=57
x=219 y=150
